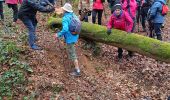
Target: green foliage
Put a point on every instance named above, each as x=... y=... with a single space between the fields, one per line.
x=9 y=81
x=8 y=52
x=13 y=79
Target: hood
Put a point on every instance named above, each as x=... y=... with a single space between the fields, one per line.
x=163 y=1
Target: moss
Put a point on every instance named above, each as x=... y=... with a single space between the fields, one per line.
x=138 y=43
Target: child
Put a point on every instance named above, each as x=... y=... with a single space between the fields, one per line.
x=122 y=21
x=70 y=39
x=1 y=10
x=14 y=5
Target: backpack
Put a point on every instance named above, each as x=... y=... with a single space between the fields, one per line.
x=75 y=25
x=165 y=9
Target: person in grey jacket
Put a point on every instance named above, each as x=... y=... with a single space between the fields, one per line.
x=156 y=17
x=1 y=9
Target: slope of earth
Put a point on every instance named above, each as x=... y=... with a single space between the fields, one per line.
x=103 y=78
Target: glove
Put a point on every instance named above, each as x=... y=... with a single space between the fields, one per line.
x=79 y=12
x=109 y=31
x=89 y=13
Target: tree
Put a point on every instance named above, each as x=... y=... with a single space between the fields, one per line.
x=150 y=47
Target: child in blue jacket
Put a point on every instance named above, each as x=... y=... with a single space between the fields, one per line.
x=70 y=39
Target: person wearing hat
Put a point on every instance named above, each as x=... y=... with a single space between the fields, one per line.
x=70 y=39
x=122 y=21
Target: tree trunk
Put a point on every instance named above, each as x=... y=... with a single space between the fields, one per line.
x=153 y=48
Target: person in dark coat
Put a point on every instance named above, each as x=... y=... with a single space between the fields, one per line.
x=27 y=14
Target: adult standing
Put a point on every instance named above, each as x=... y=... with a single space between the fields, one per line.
x=14 y=5
x=27 y=14
x=157 y=17
x=97 y=10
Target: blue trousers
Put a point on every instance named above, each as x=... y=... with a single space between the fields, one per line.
x=30 y=22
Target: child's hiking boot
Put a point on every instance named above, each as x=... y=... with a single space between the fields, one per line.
x=75 y=73
x=35 y=47
x=120 y=57
x=159 y=37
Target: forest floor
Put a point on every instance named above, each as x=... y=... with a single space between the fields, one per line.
x=103 y=78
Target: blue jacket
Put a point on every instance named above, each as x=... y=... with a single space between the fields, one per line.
x=155 y=13
x=69 y=38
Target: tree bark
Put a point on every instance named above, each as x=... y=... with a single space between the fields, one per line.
x=143 y=45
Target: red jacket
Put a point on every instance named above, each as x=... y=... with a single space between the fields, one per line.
x=123 y=22
x=132 y=5
x=97 y=4
x=13 y=1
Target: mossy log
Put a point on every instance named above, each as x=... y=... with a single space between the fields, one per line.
x=153 y=48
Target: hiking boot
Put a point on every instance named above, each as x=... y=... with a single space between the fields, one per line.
x=168 y=98
x=35 y=47
x=120 y=60
x=75 y=73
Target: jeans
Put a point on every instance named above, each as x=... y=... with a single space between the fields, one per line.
x=30 y=23
x=1 y=10
x=94 y=13
x=15 y=11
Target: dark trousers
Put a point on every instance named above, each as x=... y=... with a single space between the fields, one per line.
x=1 y=10
x=120 y=53
x=30 y=23
x=144 y=11
x=94 y=14
x=157 y=29
x=15 y=11
x=85 y=18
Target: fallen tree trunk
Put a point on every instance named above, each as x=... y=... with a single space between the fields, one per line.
x=143 y=45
